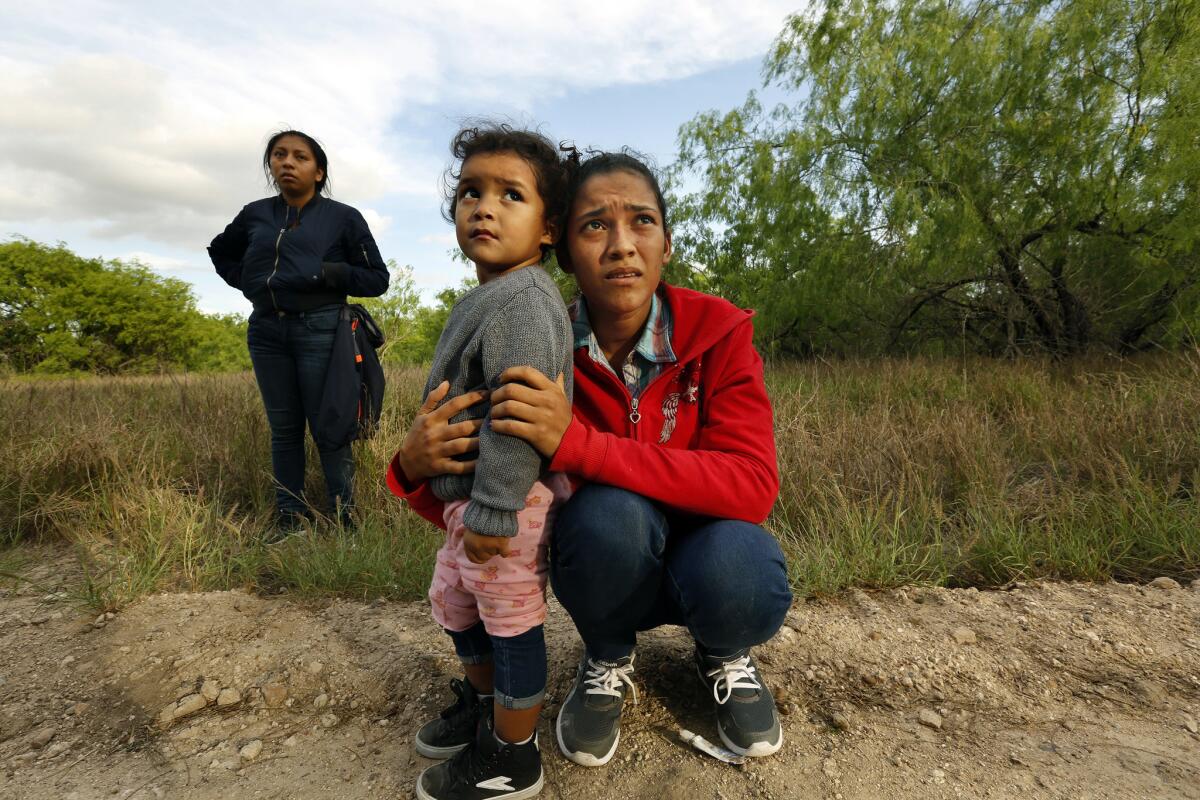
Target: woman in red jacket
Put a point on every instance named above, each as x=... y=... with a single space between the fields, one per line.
x=671 y=431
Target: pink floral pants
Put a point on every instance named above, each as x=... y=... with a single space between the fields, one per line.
x=508 y=594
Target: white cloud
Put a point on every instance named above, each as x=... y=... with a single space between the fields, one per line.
x=163 y=263
x=145 y=121
x=378 y=223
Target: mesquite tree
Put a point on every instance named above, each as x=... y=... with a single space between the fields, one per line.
x=1014 y=175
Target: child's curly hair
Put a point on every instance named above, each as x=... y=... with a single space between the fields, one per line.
x=538 y=151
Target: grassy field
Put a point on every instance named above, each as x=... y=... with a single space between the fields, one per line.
x=894 y=472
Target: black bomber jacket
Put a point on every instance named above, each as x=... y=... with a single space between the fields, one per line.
x=287 y=260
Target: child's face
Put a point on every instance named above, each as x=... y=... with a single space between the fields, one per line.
x=500 y=220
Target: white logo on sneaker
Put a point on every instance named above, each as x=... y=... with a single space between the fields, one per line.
x=502 y=784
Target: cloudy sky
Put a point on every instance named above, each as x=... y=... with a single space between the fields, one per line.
x=135 y=129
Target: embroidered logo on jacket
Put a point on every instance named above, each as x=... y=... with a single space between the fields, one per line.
x=689 y=378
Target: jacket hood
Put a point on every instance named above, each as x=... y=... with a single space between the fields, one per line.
x=699 y=320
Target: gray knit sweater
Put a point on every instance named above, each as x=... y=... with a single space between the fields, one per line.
x=516 y=319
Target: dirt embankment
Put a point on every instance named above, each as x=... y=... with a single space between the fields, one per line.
x=1045 y=690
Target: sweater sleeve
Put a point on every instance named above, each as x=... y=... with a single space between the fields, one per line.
x=731 y=473
x=524 y=332
x=364 y=273
x=227 y=249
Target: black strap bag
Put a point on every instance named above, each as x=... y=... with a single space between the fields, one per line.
x=354 y=384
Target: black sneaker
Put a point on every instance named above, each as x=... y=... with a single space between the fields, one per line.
x=486 y=769
x=455 y=728
x=746 y=716
x=589 y=721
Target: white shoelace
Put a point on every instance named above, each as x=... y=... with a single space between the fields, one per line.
x=736 y=674
x=602 y=679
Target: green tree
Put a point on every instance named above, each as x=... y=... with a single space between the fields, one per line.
x=395 y=313
x=63 y=313
x=1018 y=175
x=219 y=344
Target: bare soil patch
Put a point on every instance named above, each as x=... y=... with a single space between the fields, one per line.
x=1042 y=690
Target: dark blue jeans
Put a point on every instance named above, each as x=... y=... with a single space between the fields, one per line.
x=290 y=355
x=519 y=668
x=620 y=564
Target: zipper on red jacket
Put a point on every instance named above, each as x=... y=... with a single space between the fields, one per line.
x=635 y=416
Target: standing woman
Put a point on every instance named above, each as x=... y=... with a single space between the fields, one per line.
x=296 y=256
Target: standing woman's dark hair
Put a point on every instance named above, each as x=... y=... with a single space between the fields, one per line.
x=296 y=256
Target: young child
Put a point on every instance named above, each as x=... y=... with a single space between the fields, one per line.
x=488 y=589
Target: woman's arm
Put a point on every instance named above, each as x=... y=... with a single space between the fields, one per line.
x=731 y=473
x=364 y=273
x=227 y=249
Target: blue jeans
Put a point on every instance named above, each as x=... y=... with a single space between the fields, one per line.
x=290 y=354
x=620 y=564
x=519 y=670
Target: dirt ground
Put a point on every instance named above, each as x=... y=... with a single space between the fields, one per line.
x=1042 y=690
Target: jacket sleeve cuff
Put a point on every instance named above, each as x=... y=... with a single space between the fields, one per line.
x=490 y=521
x=418 y=494
x=397 y=481
x=581 y=452
x=334 y=273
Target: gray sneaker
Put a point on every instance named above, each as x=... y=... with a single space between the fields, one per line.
x=746 y=718
x=589 y=721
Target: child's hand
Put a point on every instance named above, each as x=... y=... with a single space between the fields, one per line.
x=481 y=548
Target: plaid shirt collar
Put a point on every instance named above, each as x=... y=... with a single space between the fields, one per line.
x=646 y=360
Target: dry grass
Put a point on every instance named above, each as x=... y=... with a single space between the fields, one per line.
x=893 y=472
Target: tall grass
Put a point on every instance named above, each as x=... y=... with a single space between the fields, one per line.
x=166 y=483
x=985 y=472
x=893 y=472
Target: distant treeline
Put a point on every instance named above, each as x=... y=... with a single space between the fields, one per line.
x=61 y=314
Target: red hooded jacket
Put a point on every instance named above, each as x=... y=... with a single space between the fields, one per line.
x=700 y=439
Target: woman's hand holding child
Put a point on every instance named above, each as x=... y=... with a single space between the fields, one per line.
x=431 y=443
x=531 y=407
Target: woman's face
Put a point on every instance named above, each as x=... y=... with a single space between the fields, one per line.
x=617 y=245
x=294 y=167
